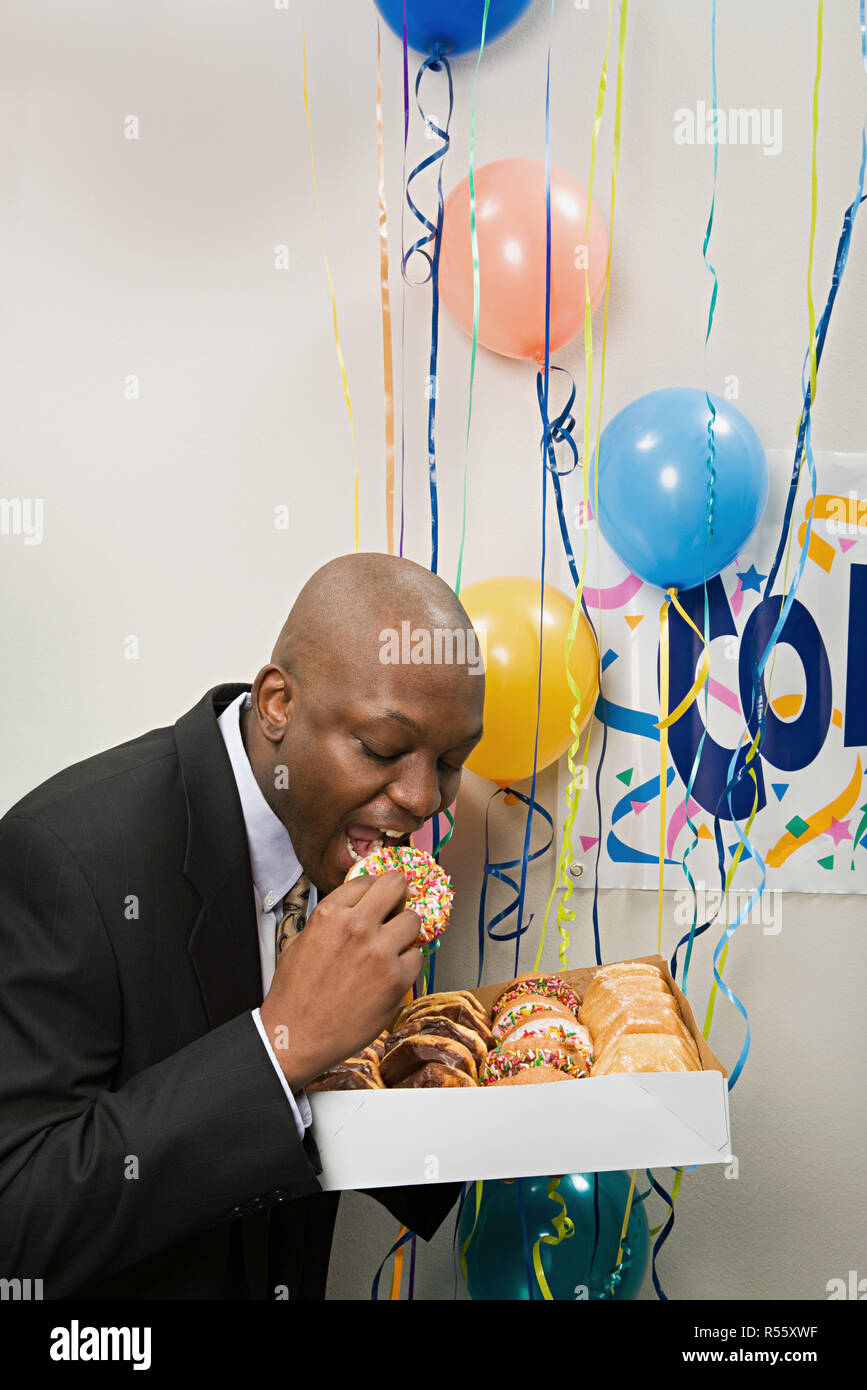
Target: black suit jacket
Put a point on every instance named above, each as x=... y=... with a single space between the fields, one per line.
x=147 y=1149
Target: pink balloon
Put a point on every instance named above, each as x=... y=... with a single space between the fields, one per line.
x=423 y=839
x=511 y=233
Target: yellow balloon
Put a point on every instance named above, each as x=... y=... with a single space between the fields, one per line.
x=505 y=614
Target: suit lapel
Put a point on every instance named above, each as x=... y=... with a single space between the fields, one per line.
x=224 y=943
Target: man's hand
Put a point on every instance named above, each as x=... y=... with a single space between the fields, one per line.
x=341 y=980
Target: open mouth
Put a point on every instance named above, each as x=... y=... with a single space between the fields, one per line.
x=361 y=840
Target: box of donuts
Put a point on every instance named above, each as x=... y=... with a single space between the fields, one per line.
x=584 y=1071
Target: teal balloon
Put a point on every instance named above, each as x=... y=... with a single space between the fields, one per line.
x=496 y=1260
x=653 y=478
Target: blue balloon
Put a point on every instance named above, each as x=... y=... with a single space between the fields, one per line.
x=582 y=1266
x=449 y=26
x=653 y=486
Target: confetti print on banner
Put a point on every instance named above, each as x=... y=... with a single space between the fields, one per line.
x=818 y=823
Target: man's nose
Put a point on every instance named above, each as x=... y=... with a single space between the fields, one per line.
x=417 y=789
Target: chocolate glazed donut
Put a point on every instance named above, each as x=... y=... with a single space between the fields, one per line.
x=414 y=1051
x=442 y=1028
x=435 y=1074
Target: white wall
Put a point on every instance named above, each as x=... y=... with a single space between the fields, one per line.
x=155 y=257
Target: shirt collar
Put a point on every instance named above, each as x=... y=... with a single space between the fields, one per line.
x=275 y=865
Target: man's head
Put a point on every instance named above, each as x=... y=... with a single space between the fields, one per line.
x=371 y=703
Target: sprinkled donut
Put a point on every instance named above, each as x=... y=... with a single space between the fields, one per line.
x=430 y=892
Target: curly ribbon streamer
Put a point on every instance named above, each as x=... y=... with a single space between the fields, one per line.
x=615 y=1277
x=711 y=484
x=711 y=475
x=474 y=242
x=666 y=719
x=544 y=509
x=396 y=1247
x=563 y=1228
x=805 y=537
x=412 y=1248
x=385 y=303
x=433 y=232
x=340 y=360
x=497 y=870
x=397 y=1267
x=466 y=1245
x=666 y=1232
x=803 y=449
x=559 y=430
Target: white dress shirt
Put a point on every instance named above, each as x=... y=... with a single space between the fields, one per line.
x=275 y=868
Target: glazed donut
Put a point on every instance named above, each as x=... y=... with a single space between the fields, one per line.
x=523 y=1010
x=532 y=1066
x=546 y=986
x=430 y=892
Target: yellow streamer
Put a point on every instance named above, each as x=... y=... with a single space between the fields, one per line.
x=626 y=1215
x=666 y=719
x=736 y=859
x=562 y=879
x=811 y=315
x=563 y=1227
x=466 y=1245
x=663 y=756
x=330 y=280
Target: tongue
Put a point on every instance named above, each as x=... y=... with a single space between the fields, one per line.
x=362 y=837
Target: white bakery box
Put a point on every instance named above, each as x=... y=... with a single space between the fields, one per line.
x=395 y=1137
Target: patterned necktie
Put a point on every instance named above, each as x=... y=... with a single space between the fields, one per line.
x=294 y=912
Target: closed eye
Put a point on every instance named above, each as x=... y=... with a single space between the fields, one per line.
x=379 y=757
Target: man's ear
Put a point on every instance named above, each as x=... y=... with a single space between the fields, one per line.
x=273 y=699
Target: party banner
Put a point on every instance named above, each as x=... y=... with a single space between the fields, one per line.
x=810 y=826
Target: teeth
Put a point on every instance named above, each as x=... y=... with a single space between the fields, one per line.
x=394 y=834
x=374 y=845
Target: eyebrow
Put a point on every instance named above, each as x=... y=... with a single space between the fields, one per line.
x=399 y=717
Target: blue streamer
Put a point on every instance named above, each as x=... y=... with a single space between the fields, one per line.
x=433 y=232
x=803 y=449
x=693 y=932
x=497 y=870
x=663 y=1235
x=532 y=802
x=711 y=475
x=402 y=1240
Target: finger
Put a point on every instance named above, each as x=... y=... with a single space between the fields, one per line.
x=402 y=932
x=351 y=893
x=411 y=962
x=385 y=898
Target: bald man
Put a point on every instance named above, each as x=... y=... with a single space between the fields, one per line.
x=158 y=1018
